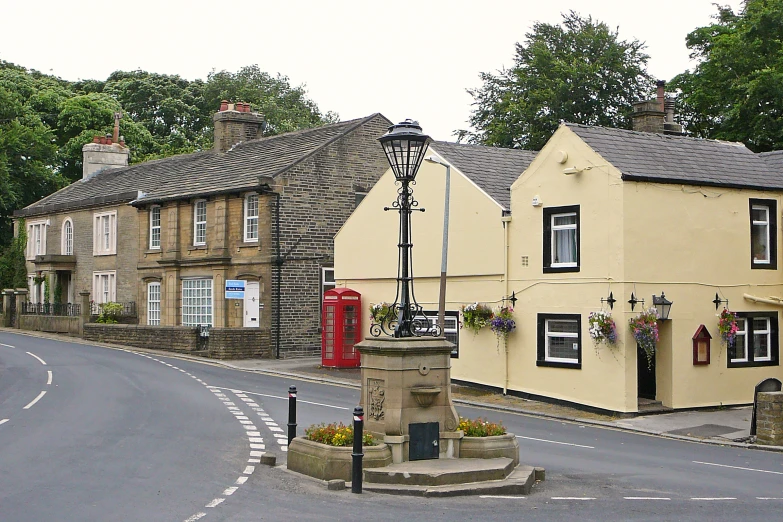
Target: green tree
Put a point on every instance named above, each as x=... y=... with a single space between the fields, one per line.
x=579 y=71
x=13 y=270
x=735 y=92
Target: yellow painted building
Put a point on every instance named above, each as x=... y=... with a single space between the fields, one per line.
x=598 y=213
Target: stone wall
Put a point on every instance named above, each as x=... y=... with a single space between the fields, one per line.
x=222 y=343
x=51 y=323
x=317 y=197
x=769 y=418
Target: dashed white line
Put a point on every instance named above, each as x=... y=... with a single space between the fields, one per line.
x=501 y=496
x=713 y=498
x=573 y=498
x=556 y=442
x=215 y=502
x=3 y=421
x=286 y=398
x=197 y=516
x=35 y=400
x=241 y=480
x=49 y=380
x=230 y=491
x=39 y=359
x=249 y=470
x=252 y=453
x=738 y=467
x=757 y=498
x=253 y=433
x=647 y=498
x=7 y=345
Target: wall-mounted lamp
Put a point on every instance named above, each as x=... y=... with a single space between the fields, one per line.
x=611 y=300
x=572 y=170
x=663 y=306
x=633 y=301
x=718 y=301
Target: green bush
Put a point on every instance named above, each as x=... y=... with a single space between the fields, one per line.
x=109 y=313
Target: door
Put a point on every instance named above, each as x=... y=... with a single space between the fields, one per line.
x=423 y=443
x=252 y=298
x=645 y=374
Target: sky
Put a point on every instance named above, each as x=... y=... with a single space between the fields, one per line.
x=402 y=59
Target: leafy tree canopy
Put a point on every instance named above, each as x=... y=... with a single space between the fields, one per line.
x=735 y=92
x=579 y=71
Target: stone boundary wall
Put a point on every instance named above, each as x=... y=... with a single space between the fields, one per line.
x=222 y=343
x=769 y=418
x=70 y=325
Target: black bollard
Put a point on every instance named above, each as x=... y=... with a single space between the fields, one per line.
x=358 y=436
x=291 y=413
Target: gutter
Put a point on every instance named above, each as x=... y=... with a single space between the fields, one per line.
x=769 y=300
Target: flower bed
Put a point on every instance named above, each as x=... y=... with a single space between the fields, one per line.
x=326 y=462
x=487 y=440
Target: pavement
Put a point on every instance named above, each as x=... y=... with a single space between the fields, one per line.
x=726 y=426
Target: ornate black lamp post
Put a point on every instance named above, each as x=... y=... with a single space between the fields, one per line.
x=405 y=145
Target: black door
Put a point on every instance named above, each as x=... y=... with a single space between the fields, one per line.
x=645 y=374
x=423 y=440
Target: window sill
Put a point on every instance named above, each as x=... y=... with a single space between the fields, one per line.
x=104 y=254
x=560 y=269
x=763 y=266
x=551 y=364
x=153 y=251
x=255 y=245
x=197 y=247
x=751 y=364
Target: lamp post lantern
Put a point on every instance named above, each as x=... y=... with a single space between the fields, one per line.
x=405 y=145
x=663 y=306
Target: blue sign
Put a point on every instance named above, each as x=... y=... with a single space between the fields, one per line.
x=235 y=289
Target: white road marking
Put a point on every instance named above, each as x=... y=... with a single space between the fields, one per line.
x=197 y=516
x=230 y=491
x=573 y=498
x=713 y=498
x=35 y=400
x=259 y=440
x=241 y=480
x=254 y=461
x=39 y=359
x=286 y=398
x=738 y=467
x=49 y=380
x=3 y=421
x=239 y=416
x=249 y=470
x=257 y=453
x=273 y=428
x=501 y=496
x=249 y=427
x=279 y=436
x=284 y=449
x=253 y=433
x=646 y=498
x=7 y=345
x=556 y=442
x=215 y=502
x=257 y=446
x=246 y=422
x=757 y=498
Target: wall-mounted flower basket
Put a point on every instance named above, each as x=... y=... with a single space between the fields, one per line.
x=602 y=328
x=644 y=328
x=503 y=323
x=727 y=326
x=476 y=316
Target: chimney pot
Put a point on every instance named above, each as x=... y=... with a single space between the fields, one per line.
x=223 y=105
x=661 y=94
x=96 y=139
x=241 y=106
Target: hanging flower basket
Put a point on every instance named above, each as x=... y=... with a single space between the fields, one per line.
x=644 y=328
x=502 y=323
x=476 y=316
x=727 y=326
x=380 y=312
x=602 y=328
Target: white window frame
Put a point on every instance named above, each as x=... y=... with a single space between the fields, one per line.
x=199 y=226
x=36 y=238
x=66 y=240
x=555 y=228
x=324 y=284
x=153 y=303
x=196 y=313
x=104 y=286
x=154 y=229
x=763 y=223
x=251 y=219
x=768 y=332
x=568 y=335
x=450 y=330
x=742 y=336
x=104 y=233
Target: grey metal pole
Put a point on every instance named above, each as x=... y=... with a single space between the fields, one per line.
x=444 y=255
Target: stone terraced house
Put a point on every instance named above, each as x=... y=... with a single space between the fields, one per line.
x=167 y=235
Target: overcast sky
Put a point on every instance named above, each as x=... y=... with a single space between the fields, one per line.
x=404 y=59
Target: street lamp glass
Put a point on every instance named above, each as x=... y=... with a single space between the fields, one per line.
x=405 y=145
x=663 y=306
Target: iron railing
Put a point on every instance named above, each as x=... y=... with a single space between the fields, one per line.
x=61 y=309
x=128 y=309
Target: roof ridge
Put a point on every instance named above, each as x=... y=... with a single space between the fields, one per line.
x=655 y=134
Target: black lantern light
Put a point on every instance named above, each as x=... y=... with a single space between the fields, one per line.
x=405 y=146
x=663 y=306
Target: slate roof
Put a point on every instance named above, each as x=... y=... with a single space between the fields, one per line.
x=644 y=156
x=493 y=169
x=774 y=160
x=197 y=174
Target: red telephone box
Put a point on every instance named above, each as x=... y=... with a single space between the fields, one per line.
x=342 y=327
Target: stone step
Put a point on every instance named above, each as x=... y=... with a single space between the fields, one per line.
x=440 y=472
x=519 y=482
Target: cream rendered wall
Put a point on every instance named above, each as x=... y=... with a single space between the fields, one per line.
x=366 y=257
x=692 y=242
x=607 y=376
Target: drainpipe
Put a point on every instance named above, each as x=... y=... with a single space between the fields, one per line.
x=279 y=264
x=505 y=219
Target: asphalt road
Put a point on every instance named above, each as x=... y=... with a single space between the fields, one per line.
x=129 y=436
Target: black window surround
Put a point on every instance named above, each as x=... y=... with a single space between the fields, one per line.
x=771 y=204
x=773 y=337
x=547 y=246
x=541 y=333
x=452 y=330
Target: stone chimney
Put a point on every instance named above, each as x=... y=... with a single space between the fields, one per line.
x=235 y=123
x=656 y=115
x=105 y=152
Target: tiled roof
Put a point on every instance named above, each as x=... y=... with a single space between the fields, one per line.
x=200 y=173
x=774 y=160
x=492 y=168
x=644 y=156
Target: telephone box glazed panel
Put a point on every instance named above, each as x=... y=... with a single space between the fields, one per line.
x=341 y=328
